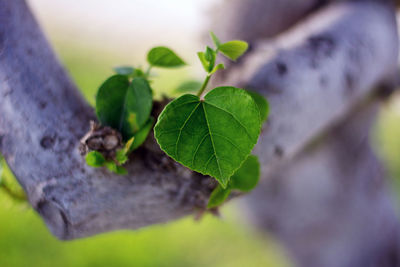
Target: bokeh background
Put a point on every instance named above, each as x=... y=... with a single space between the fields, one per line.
x=91 y=37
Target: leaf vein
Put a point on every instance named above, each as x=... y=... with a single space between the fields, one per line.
x=234 y=117
x=197 y=149
x=181 y=129
x=230 y=141
x=212 y=140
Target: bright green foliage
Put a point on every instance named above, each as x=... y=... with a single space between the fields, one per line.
x=124 y=70
x=124 y=102
x=164 y=57
x=95 y=159
x=218 y=196
x=124 y=105
x=245 y=179
x=207 y=59
x=212 y=136
x=188 y=87
x=261 y=103
x=233 y=49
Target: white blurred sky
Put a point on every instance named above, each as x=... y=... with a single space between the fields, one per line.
x=124 y=24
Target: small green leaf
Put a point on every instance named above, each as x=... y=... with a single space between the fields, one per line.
x=124 y=70
x=111 y=166
x=121 y=156
x=203 y=60
x=95 y=159
x=188 y=87
x=246 y=177
x=210 y=56
x=213 y=136
x=142 y=134
x=218 y=67
x=218 y=196
x=215 y=39
x=164 y=57
x=123 y=106
x=262 y=104
x=233 y=49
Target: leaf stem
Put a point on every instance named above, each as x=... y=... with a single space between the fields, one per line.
x=204 y=85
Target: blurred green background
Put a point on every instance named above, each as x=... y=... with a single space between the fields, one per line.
x=227 y=241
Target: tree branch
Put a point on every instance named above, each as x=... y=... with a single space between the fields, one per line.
x=43 y=117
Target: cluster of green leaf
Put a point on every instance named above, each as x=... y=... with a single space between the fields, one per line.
x=213 y=135
x=124 y=102
x=96 y=159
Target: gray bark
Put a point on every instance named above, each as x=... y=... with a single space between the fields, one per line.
x=42 y=117
x=252 y=20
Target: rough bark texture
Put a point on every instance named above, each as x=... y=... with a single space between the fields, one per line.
x=313 y=77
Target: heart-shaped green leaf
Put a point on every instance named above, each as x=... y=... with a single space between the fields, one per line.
x=164 y=57
x=213 y=136
x=124 y=106
x=233 y=49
